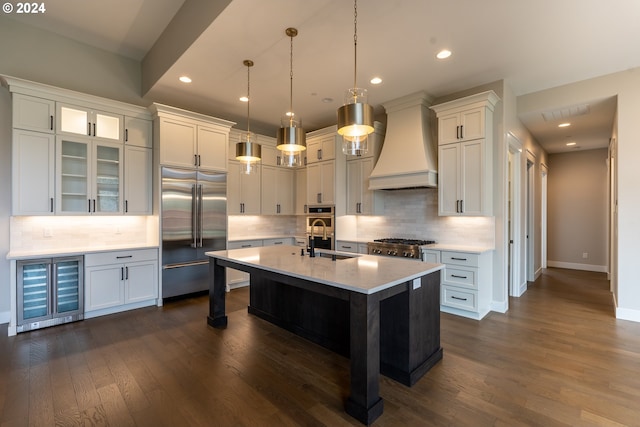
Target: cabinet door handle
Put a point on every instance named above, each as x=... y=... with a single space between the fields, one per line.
x=126 y=273
x=89 y=128
x=121 y=273
x=51 y=122
x=461 y=206
x=458 y=277
x=319 y=197
x=458 y=298
x=126 y=206
x=305 y=208
x=52 y=204
x=89 y=205
x=94 y=205
x=94 y=129
x=124 y=256
x=461 y=131
x=278 y=160
x=195 y=160
x=457 y=132
x=199 y=160
x=126 y=135
x=459 y=259
x=320 y=154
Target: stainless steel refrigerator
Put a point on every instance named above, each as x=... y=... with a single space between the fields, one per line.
x=194 y=221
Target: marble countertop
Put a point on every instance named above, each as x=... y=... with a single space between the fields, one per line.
x=50 y=253
x=366 y=274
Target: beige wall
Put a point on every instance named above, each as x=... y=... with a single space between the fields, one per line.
x=577 y=210
x=40 y=56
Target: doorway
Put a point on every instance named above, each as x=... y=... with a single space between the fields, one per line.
x=516 y=286
x=543 y=220
x=530 y=221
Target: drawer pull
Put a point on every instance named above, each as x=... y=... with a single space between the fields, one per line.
x=278 y=243
x=246 y=246
x=458 y=277
x=458 y=298
x=346 y=247
x=459 y=259
x=124 y=256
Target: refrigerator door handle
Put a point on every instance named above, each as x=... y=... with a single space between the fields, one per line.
x=194 y=222
x=53 y=283
x=200 y=215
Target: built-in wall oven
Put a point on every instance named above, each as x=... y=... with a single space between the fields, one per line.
x=320 y=226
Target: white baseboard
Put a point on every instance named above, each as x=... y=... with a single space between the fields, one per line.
x=500 y=307
x=5 y=316
x=578 y=266
x=537 y=274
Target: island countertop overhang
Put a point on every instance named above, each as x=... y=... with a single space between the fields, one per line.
x=365 y=274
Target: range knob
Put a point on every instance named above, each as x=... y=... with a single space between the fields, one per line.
x=406 y=254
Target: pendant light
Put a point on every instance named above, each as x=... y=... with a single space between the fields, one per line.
x=248 y=151
x=355 y=117
x=291 y=138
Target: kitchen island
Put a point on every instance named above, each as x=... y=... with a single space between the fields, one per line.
x=381 y=312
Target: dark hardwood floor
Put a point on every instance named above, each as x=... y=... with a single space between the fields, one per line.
x=557 y=358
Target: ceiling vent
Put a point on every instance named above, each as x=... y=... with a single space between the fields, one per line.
x=566 y=112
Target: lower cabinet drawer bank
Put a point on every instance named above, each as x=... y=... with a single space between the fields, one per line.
x=120 y=280
x=466 y=281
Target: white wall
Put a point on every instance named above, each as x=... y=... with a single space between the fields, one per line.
x=626 y=85
x=5 y=201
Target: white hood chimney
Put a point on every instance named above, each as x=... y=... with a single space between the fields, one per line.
x=408 y=158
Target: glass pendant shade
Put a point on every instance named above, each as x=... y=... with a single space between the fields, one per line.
x=292 y=141
x=248 y=152
x=355 y=122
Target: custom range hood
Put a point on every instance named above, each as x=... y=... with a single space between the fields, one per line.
x=408 y=158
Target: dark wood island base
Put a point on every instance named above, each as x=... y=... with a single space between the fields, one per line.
x=395 y=331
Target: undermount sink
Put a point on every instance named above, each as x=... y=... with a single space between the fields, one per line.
x=334 y=257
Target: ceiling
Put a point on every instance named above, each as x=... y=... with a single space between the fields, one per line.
x=533 y=45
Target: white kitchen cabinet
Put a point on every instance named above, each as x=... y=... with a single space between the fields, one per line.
x=321 y=183
x=138 y=186
x=89 y=176
x=137 y=132
x=462 y=125
x=301 y=191
x=243 y=190
x=33 y=113
x=120 y=280
x=277 y=190
x=191 y=140
x=33 y=171
x=465 y=155
x=462 y=182
x=278 y=241
x=466 y=281
x=321 y=148
x=78 y=120
x=361 y=200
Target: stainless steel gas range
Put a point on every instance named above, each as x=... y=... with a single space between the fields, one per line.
x=406 y=248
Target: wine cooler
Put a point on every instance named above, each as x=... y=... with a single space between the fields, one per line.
x=50 y=292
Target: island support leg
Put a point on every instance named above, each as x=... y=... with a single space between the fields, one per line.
x=217 y=289
x=364 y=402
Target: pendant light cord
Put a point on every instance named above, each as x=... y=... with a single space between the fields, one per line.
x=355 y=47
x=248 y=97
x=291 y=84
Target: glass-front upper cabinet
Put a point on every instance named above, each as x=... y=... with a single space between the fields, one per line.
x=85 y=121
x=89 y=177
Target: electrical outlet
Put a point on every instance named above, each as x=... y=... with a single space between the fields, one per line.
x=585 y=255
x=47 y=232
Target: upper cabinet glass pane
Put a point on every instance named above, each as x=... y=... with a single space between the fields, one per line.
x=108 y=126
x=74 y=121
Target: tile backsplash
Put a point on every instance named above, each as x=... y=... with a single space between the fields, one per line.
x=60 y=233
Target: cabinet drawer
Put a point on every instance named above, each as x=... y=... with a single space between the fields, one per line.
x=118 y=257
x=431 y=256
x=277 y=242
x=465 y=277
x=347 y=247
x=240 y=244
x=459 y=258
x=459 y=298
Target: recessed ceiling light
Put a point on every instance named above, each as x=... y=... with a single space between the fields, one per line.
x=244 y=99
x=185 y=79
x=443 y=54
x=570 y=144
x=564 y=125
x=376 y=81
